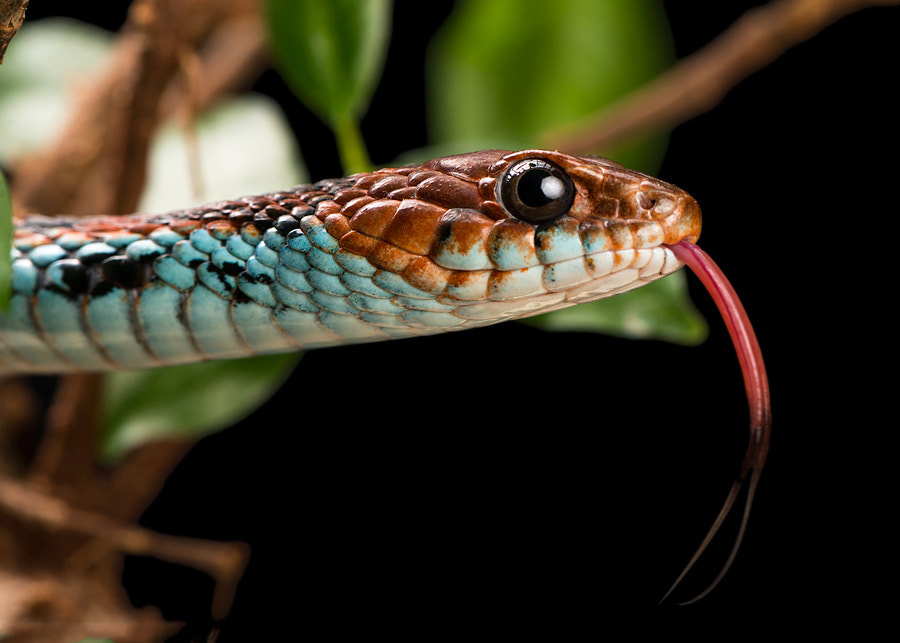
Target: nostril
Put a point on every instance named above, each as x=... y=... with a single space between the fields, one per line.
x=645 y=202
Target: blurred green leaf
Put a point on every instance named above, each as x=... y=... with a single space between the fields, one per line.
x=186 y=401
x=331 y=54
x=504 y=72
x=6 y=232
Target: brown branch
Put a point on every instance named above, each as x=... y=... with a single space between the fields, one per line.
x=65 y=454
x=223 y=561
x=12 y=15
x=699 y=82
x=97 y=163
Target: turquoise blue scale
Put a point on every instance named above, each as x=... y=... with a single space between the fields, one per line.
x=110 y=318
x=394 y=283
x=186 y=254
x=294 y=259
x=323 y=282
x=293 y=279
x=143 y=250
x=175 y=273
x=165 y=237
x=223 y=259
x=378 y=305
x=267 y=256
x=20 y=345
x=204 y=242
x=260 y=293
x=259 y=270
x=94 y=252
x=354 y=263
x=216 y=280
x=43 y=256
x=238 y=247
x=363 y=286
x=24 y=276
x=59 y=317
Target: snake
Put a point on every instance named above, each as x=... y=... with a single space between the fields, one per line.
x=450 y=244
x=453 y=243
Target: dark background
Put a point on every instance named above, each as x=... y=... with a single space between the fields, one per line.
x=507 y=481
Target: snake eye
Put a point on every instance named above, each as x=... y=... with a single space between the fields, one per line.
x=536 y=191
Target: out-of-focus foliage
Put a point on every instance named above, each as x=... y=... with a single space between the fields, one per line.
x=186 y=401
x=331 y=53
x=502 y=73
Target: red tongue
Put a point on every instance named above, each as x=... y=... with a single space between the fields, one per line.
x=757 y=386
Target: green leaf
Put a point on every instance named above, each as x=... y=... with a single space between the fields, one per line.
x=503 y=72
x=186 y=401
x=6 y=233
x=507 y=70
x=331 y=53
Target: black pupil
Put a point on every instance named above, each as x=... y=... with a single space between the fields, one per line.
x=536 y=188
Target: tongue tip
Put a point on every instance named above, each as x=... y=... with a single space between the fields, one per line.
x=757 y=387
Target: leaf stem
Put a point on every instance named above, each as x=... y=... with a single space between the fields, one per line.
x=351 y=147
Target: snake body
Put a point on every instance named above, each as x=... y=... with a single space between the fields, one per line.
x=453 y=243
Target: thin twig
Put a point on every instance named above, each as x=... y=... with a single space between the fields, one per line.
x=699 y=82
x=223 y=561
x=68 y=450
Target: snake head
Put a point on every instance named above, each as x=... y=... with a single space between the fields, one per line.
x=498 y=234
x=605 y=199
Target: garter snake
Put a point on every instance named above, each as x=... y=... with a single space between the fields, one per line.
x=453 y=243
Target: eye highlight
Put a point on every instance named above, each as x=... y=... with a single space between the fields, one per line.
x=536 y=190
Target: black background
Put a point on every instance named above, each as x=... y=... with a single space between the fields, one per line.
x=508 y=481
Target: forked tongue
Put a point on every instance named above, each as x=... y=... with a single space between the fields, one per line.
x=757 y=385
